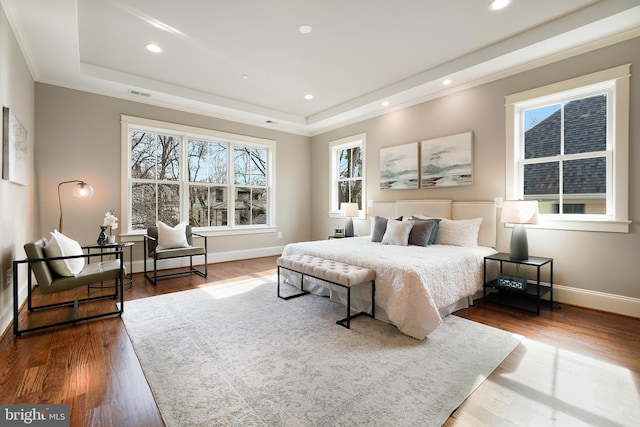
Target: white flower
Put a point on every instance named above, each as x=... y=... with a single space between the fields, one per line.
x=110 y=220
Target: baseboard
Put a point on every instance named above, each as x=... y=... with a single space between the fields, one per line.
x=618 y=304
x=7 y=310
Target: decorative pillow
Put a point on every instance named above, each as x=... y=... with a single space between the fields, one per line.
x=378 y=227
x=434 y=233
x=397 y=232
x=461 y=232
x=61 y=245
x=172 y=237
x=421 y=232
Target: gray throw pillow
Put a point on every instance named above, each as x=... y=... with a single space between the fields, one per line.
x=379 y=227
x=434 y=232
x=420 y=232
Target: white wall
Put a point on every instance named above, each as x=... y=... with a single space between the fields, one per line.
x=16 y=201
x=594 y=269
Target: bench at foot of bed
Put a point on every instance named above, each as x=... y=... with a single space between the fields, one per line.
x=338 y=273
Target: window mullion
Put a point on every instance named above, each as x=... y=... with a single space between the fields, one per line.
x=183 y=179
x=231 y=199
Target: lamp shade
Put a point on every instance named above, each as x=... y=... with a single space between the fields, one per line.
x=519 y=212
x=349 y=209
x=82 y=189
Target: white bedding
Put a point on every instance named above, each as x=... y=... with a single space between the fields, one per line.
x=412 y=282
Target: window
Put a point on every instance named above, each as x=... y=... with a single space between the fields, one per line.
x=347 y=172
x=567 y=147
x=210 y=179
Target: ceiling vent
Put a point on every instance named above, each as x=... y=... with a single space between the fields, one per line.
x=138 y=93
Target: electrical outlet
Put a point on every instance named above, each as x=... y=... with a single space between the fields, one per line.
x=9 y=276
x=279 y=234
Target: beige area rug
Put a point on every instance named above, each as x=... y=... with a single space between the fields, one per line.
x=237 y=355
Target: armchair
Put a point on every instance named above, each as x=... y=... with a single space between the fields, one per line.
x=152 y=251
x=50 y=282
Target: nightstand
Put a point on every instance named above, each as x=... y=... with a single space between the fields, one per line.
x=514 y=297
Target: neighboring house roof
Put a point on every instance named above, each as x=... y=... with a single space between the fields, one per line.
x=585 y=128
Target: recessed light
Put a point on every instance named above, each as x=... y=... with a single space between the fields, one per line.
x=385 y=103
x=499 y=4
x=308 y=97
x=305 y=29
x=245 y=77
x=152 y=47
x=446 y=82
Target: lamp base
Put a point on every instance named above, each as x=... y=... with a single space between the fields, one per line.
x=348 y=228
x=519 y=243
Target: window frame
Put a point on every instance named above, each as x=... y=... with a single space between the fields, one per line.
x=614 y=82
x=334 y=147
x=189 y=132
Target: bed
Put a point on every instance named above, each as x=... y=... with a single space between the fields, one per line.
x=415 y=285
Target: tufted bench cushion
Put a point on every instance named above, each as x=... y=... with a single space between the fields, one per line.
x=332 y=271
x=335 y=272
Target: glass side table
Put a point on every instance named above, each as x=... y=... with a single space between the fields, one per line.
x=108 y=249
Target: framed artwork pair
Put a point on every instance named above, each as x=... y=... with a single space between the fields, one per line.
x=438 y=162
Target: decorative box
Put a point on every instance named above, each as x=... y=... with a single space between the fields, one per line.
x=511 y=282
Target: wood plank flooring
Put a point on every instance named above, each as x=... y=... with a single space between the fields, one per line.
x=93 y=368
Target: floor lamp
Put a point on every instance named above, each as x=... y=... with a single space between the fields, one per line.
x=80 y=190
x=350 y=211
x=519 y=213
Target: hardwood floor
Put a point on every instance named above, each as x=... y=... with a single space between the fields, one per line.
x=93 y=368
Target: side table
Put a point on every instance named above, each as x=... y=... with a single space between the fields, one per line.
x=535 y=290
x=107 y=248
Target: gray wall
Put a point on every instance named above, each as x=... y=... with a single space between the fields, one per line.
x=589 y=261
x=78 y=137
x=16 y=201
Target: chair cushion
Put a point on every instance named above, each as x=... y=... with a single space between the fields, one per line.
x=92 y=273
x=179 y=252
x=172 y=237
x=61 y=245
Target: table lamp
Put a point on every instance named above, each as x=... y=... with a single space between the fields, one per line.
x=349 y=210
x=519 y=213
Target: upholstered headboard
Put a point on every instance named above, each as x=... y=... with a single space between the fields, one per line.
x=445 y=209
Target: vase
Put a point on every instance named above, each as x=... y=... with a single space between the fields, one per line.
x=111 y=240
x=102 y=238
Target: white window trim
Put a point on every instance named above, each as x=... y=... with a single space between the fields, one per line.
x=617 y=80
x=128 y=122
x=334 y=147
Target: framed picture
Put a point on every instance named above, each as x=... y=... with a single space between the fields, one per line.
x=447 y=161
x=14 y=148
x=399 y=167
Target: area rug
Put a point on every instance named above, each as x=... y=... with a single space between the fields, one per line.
x=236 y=355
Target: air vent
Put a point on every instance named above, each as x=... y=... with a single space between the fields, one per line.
x=138 y=93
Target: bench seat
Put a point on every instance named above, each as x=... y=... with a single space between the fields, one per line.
x=338 y=273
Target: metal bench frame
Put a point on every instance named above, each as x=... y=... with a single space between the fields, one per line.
x=347 y=319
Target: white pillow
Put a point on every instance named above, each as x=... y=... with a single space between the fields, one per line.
x=172 y=237
x=397 y=232
x=61 y=245
x=461 y=232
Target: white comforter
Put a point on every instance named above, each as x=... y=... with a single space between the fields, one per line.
x=412 y=282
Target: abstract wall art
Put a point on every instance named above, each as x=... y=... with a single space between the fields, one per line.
x=447 y=161
x=14 y=148
x=399 y=167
